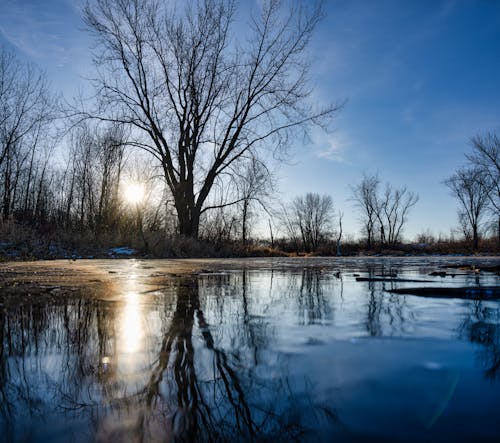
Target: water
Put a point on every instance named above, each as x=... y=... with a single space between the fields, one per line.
x=256 y=351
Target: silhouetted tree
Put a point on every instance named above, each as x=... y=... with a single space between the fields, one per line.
x=467 y=187
x=254 y=186
x=96 y=162
x=339 y=233
x=392 y=212
x=364 y=195
x=198 y=99
x=26 y=109
x=486 y=156
x=289 y=225
x=386 y=212
x=313 y=215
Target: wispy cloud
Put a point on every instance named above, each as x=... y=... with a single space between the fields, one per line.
x=330 y=146
x=41 y=30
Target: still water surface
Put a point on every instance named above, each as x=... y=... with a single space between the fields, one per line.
x=280 y=352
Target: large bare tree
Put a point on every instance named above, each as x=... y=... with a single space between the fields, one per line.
x=468 y=188
x=200 y=98
x=486 y=156
x=365 y=196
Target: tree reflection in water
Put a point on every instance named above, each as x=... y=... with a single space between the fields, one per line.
x=147 y=367
x=235 y=356
x=386 y=314
x=481 y=325
x=309 y=295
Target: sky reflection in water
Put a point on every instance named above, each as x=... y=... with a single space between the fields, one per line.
x=290 y=354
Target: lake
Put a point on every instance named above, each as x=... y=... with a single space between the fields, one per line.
x=251 y=350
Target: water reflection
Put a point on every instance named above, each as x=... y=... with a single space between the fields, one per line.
x=385 y=314
x=131 y=327
x=482 y=326
x=237 y=356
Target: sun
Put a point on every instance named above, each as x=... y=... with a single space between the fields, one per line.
x=134 y=193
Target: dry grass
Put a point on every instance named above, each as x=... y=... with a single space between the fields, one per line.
x=22 y=242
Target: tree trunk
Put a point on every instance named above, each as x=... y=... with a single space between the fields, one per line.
x=475 y=238
x=244 y=222
x=272 y=237
x=188 y=210
x=189 y=220
x=369 y=237
x=6 y=193
x=498 y=234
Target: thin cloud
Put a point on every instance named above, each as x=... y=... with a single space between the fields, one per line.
x=331 y=147
x=40 y=30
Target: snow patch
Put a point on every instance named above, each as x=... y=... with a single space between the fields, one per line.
x=123 y=250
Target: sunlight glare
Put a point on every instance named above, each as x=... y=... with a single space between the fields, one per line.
x=131 y=325
x=134 y=193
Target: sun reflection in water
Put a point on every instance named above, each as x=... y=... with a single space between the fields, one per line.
x=131 y=325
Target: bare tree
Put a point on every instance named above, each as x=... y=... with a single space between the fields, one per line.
x=313 y=215
x=486 y=156
x=386 y=212
x=365 y=195
x=464 y=225
x=109 y=164
x=392 y=212
x=271 y=236
x=339 y=233
x=254 y=188
x=92 y=178
x=26 y=109
x=198 y=98
x=222 y=224
x=25 y=103
x=289 y=225
x=467 y=187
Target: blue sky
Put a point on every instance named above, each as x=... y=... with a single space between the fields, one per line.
x=419 y=78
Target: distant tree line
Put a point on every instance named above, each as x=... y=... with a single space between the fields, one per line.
x=81 y=189
x=26 y=114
